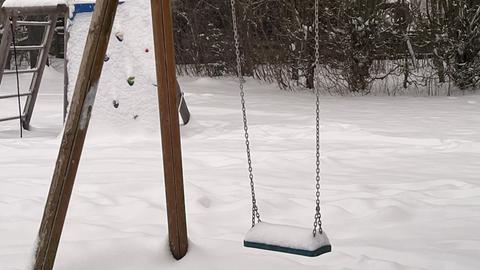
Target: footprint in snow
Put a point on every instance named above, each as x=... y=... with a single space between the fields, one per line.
x=205 y=202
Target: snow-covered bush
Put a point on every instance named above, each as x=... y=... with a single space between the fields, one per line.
x=363 y=43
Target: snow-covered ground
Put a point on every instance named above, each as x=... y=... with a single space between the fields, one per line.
x=400 y=182
x=400 y=176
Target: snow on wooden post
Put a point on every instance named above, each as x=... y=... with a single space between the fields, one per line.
x=172 y=152
x=74 y=134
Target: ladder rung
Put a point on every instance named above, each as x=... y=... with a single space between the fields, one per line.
x=27 y=48
x=14 y=96
x=11 y=118
x=21 y=71
x=33 y=23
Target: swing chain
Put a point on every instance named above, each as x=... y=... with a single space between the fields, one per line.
x=318 y=216
x=255 y=213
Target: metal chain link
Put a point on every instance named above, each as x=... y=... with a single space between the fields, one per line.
x=318 y=216
x=255 y=213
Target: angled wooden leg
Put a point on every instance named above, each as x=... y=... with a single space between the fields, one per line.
x=74 y=134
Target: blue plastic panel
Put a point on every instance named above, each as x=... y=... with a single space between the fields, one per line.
x=86 y=7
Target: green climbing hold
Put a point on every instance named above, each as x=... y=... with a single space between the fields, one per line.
x=131 y=80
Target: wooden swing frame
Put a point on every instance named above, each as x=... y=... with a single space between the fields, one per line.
x=77 y=125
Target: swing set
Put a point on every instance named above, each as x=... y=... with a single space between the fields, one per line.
x=262 y=235
x=275 y=237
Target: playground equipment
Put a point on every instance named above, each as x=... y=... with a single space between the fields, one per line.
x=85 y=6
x=77 y=124
x=78 y=121
x=88 y=6
x=275 y=237
x=21 y=18
x=12 y=15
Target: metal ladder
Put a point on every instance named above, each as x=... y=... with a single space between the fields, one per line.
x=15 y=13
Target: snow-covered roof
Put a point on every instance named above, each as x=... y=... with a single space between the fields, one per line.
x=34 y=3
x=84 y=1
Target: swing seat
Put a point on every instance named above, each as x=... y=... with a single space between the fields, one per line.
x=287 y=239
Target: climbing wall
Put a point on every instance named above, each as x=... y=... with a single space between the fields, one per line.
x=127 y=94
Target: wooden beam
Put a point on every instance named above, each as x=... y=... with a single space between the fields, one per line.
x=34 y=11
x=4 y=45
x=169 y=124
x=74 y=134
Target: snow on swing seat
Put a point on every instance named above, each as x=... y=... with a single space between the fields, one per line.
x=288 y=239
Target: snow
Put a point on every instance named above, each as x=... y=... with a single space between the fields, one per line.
x=400 y=183
x=286 y=236
x=84 y=1
x=90 y=1
x=33 y=3
x=87 y=106
x=127 y=58
x=400 y=186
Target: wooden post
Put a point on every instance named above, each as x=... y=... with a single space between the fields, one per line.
x=172 y=152
x=74 y=134
x=4 y=45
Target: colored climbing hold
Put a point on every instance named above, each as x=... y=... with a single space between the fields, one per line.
x=106 y=58
x=135 y=117
x=131 y=80
x=116 y=103
x=147 y=50
x=119 y=36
